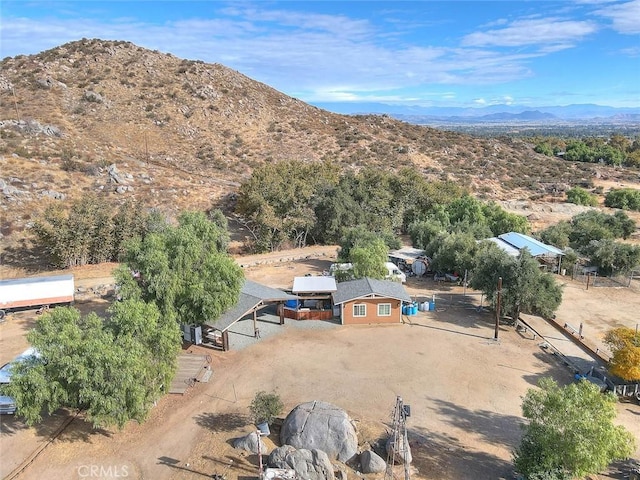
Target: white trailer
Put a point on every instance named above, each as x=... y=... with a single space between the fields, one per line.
x=35 y=292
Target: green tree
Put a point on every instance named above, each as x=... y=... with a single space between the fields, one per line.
x=570 y=432
x=624 y=198
x=613 y=257
x=557 y=235
x=361 y=236
x=277 y=203
x=544 y=148
x=91 y=231
x=422 y=232
x=369 y=258
x=588 y=226
x=184 y=270
x=525 y=288
x=500 y=221
x=453 y=252
x=113 y=370
x=580 y=196
x=578 y=151
x=625 y=347
x=336 y=212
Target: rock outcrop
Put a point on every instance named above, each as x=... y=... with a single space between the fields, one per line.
x=371 y=462
x=322 y=426
x=250 y=443
x=308 y=464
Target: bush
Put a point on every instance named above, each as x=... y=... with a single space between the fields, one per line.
x=624 y=198
x=580 y=196
x=265 y=407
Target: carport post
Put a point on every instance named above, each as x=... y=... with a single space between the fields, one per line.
x=255 y=323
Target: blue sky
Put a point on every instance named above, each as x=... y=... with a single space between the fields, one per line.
x=427 y=53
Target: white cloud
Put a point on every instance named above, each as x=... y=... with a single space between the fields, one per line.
x=319 y=57
x=538 y=31
x=625 y=17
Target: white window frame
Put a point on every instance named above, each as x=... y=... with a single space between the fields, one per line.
x=356 y=310
x=388 y=305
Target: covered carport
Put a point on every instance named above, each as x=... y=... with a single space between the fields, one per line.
x=253 y=297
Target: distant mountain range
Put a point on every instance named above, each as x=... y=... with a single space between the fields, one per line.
x=490 y=114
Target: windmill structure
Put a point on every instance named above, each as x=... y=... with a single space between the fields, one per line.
x=400 y=442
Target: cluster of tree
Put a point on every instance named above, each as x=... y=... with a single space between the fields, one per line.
x=296 y=203
x=184 y=270
x=570 y=432
x=616 y=150
x=624 y=198
x=593 y=234
x=90 y=231
x=463 y=215
x=525 y=287
x=112 y=369
x=116 y=368
x=367 y=252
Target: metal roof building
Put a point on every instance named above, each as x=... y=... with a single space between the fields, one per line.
x=536 y=248
x=510 y=249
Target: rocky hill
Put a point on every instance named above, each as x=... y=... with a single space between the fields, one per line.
x=111 y=117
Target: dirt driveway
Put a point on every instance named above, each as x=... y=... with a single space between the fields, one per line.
x=464 y=388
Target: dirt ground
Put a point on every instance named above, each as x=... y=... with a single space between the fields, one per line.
x=464 y=388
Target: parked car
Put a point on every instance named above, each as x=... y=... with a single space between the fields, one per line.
x=8 y=404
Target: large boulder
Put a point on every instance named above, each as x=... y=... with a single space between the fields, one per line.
x=308 y=464
x=250 y=443
x=371 y=462
x=322 y=426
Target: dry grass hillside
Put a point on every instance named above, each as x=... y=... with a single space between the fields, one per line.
x=183 y=133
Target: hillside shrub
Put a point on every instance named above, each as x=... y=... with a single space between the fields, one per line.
x=580 y=196
x=623 y=198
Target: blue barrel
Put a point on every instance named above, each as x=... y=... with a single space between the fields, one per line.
x=432 y=305
x=291 y=303
x=404 y=309
x=414 y=309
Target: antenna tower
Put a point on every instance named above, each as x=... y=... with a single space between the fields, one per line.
x=400 y=442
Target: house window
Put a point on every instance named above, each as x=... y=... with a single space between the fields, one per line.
x=384 y=309
x=359 y=310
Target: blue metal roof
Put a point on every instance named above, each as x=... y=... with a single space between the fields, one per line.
x=535 y=247
x=510 y=249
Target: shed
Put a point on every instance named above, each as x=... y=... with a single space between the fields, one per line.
x=513 y=243
x=253 y=297
x=314 y=285
x=367 y=300
x=547 y=254
x=314 y=298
